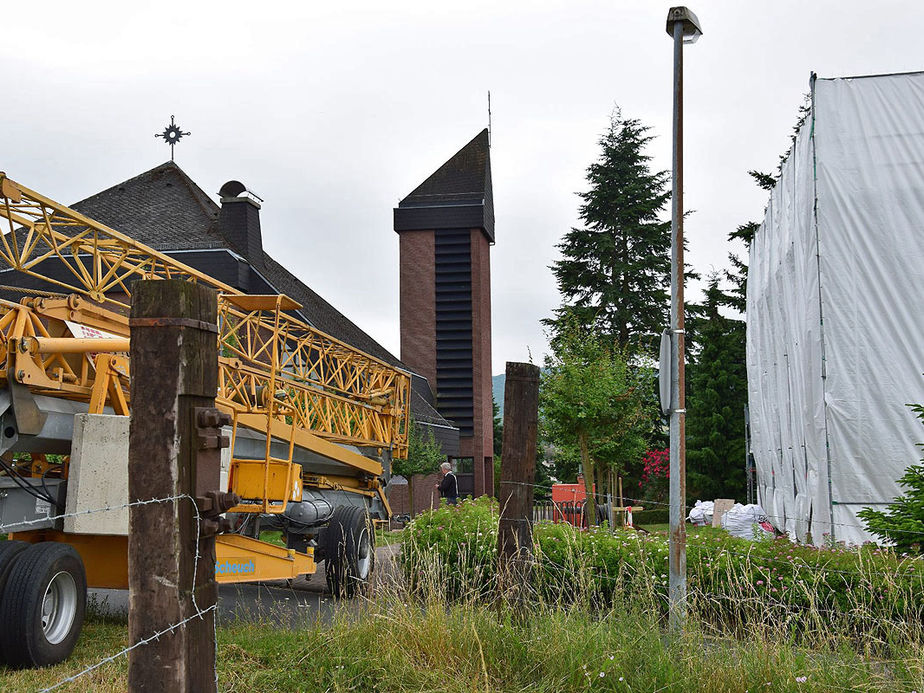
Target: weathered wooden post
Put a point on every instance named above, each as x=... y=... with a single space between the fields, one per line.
x=174 y=371
x=518 y=467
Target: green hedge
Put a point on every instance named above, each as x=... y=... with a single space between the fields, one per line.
x=732 y=579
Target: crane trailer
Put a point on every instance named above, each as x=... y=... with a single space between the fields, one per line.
x=313 y=424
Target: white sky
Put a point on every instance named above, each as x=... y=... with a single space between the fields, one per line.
x=332 y=112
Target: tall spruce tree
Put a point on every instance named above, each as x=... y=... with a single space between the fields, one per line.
x=717 y=380
x=738 y=274
x=715 y=405
x=615 y=270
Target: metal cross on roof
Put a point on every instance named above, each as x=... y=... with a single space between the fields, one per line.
x=171 y=134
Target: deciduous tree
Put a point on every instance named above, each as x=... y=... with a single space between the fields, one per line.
x=591 y=405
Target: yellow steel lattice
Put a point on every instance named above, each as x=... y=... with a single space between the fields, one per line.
x=272 y=364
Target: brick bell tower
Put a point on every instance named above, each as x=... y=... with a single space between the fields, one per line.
x=446 y=230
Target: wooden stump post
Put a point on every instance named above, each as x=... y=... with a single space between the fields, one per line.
x=518 y=467
x=174 y=369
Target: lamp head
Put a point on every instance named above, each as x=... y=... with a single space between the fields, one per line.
x=691 y=28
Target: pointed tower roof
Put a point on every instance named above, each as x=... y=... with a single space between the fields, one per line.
x=457 y=195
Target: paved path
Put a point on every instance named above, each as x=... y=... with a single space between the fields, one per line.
x=293 y=604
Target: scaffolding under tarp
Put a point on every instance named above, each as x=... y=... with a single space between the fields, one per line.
x=835 y=310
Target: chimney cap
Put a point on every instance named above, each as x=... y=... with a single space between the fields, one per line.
x=234 y=188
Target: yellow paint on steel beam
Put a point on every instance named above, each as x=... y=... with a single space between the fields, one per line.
x=308 y=440
x=105 y=556
x=277 y=375
x=75 y=345
x=242 y=559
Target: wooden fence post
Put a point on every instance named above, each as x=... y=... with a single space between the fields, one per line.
x=174 y=370
x=518 y=467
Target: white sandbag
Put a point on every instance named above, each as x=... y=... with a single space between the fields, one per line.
x=701 y=513
x=747 y=522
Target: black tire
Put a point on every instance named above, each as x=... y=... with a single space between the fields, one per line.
x=349 y=551
x=9 y=550
x=9 y=553
x=43 y=605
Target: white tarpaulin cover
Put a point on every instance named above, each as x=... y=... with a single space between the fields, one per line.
x=835 y=310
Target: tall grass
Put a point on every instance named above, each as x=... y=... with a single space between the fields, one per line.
x=593 y=619
x=865 y=601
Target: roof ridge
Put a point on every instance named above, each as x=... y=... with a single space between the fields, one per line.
x=165 y=165
x=207 y=203
x=201 y=197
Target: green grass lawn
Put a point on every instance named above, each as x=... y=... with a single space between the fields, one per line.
x=393 y=646
x=384 y=537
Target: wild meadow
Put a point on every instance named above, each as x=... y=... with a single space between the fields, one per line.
x=761 y=616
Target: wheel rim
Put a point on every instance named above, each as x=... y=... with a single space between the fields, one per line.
x=59 y=607
x=363 y=556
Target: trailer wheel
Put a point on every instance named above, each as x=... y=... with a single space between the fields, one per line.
x=9 y=552
x=43 y=605
x=349 y=550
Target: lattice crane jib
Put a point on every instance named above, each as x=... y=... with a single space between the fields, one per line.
x=277 y=374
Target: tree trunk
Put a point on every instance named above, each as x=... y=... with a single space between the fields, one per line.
x=600 y=495
x=587 y=467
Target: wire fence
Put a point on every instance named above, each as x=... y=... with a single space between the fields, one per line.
x=199 y=613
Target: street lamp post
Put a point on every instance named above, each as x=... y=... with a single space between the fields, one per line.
x=683 y=27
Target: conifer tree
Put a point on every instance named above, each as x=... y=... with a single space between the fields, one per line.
x=614 y=271
x=738 y=274
x=715 y=405
x=902 y=522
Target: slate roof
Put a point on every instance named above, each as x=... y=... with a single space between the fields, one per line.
x=165 y=209
x=162 y=208
x=457 y=195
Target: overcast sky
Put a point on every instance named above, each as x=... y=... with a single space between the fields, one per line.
x=334 y=111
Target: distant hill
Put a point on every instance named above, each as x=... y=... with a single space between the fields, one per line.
x=497 y=388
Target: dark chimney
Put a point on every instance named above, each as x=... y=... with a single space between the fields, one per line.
x=239 y=221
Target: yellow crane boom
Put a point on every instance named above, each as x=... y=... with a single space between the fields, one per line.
x=277 y=374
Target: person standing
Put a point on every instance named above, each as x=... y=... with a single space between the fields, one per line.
x=449 y=485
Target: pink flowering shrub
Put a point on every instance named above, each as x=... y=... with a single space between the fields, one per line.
x=656 y=469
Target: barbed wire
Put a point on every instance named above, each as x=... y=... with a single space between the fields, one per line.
x=199 y=612
x=122 y=653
